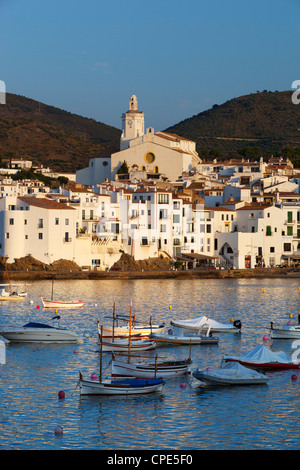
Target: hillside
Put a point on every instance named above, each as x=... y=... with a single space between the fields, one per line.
x=50 y=136
x=267 y=120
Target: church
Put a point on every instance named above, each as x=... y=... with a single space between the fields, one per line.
x=150 y=154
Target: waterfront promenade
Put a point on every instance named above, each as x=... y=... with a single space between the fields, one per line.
x=153 y=274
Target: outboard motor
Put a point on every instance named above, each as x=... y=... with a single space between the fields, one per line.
x=237 y=324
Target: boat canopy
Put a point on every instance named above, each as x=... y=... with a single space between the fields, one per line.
x=200 y=322
x=262 y=354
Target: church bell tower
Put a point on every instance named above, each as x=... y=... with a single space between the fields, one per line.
x=132 y=123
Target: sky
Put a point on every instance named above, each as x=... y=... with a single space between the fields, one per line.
x=178 y=57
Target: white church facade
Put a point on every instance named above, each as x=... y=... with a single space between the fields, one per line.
x=156 y=153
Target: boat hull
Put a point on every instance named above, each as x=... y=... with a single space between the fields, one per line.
x=120 y=331
x=161 y=338
x=123 y=346
x=266 y=365
x=39 y=335
x=163 y=370
x=57 y=304
x=90 y=387
x=289 y=333
x=215 y=380
x=12 y=298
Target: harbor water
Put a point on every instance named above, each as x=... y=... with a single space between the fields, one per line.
x=185 y=415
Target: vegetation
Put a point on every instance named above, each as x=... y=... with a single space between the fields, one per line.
x=50 y=136
x=263 y=123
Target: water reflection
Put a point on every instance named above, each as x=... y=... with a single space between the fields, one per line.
x=194 y=417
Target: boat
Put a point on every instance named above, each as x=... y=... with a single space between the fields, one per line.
x=262 y=358
x=7 y=292
x=11 y=292
x=57 y=304
x=124 y=386
x=182 y=336
x=204 y=322
x=231 y=373
x=137 y=328
x=149 y=368
x=34 y=332
x=122 y=345
x=288 y=331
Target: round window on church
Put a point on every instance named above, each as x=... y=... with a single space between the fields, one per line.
x=149 y=157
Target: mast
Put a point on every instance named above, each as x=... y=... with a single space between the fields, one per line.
x=129 y=343
x=100 y=376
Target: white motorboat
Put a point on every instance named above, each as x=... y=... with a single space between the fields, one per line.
x=288 y=331
x=230 y=374
x=262 y=358
x=125 y=386
x=203 y=322
x=34 y=332
x=182 y=336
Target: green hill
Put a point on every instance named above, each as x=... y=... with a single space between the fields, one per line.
x=261 y=123
x=50 y=136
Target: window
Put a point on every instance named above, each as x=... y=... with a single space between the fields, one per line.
x=272 y=249
x=176 y=218
x=290 y=217
x=163 y=198
x=40 y=236
x=163 y=214
x=269 y=231
x=287 y=247
x=7 y=235
x=66 y=221
x=290 y=231
x=208 y=228
x=163 y=228
x=40 y=223
x=56 y=221
x=11 y=221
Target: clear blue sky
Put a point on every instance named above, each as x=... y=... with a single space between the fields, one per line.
x=178 y=57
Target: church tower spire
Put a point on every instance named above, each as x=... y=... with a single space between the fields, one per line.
x=132 y=123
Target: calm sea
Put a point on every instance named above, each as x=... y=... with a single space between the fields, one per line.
x=179 y=418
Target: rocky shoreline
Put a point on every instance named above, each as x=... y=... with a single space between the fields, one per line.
x=36 y=275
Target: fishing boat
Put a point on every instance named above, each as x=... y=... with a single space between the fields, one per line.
x=122 y=345
x=262 y=358
x=150 y=368
x=182 y=336
x=231 y=373
x=12 y=292
x=114 y=344
x=112 y=386
x=203 y=322
x=135 y=328
x=57 y=304
x=126 y=386
x=34 y=332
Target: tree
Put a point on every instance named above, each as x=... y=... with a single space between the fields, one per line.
x=123 y=168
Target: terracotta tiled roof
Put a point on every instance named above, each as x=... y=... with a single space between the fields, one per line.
x=45 y=203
